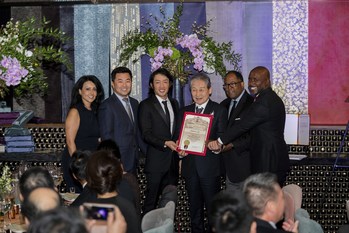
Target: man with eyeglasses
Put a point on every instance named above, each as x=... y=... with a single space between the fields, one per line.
x=266 y=122
x=236 y=154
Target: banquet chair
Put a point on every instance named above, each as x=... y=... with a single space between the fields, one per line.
x=293 y=210
x=159 y=220
x=293 y=200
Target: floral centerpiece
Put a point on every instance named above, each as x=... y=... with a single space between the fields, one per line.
x=168 y=47
x=24 y=46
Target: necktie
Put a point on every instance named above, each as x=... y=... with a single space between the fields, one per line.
x=232 y=109
x=167 y=113
x=128 y=108
x=198 y=109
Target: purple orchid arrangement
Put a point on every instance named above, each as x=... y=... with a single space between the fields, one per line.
x=182 y=54
x=11 y=71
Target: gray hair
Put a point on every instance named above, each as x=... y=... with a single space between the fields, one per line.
x=201 y=76
x=259 y=189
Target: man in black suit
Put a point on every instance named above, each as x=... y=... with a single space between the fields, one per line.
x=202 y=173
x=236 y=154
x=157 y=121
x=117 y=119
x=266 y=122
x=266 y=199
x=77 y=167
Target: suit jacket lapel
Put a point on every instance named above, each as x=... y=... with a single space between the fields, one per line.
x=121 y=106
x=237 y=109
x=159 y=109
x=175 y=112
x=208 y=109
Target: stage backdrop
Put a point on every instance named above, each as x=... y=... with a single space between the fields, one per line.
x=304 y=44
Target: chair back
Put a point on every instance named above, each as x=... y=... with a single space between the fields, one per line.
x=159 y=220
x=293 y=200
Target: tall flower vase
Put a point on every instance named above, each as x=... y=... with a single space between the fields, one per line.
x=178 y=92
x=7 y=101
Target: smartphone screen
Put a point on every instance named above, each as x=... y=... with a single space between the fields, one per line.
x=97 y=212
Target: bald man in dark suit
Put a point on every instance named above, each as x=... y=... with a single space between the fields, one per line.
x=266 y=122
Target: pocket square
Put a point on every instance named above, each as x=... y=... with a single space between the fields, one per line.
x=237 y=119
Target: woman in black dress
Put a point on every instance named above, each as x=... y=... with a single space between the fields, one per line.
x=81 y=125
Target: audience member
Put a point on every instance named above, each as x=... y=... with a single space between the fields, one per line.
x=202 y=173
x=64 y=220
x=230 y=213
x=236 y=156
x=157 y=121
x=39 y=201
x=81 y=125
x=59 y=220
x=78 y=168
x=32 y=178
x=103 y=172
x=266 y=122
x=266 y=199
x=118 y=119
x=128 y=186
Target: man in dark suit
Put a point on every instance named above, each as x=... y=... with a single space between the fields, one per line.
x=266 y=122
x=266 y=199
x=117 y=119
x=157 y=121
x=77 y=167
x=236 y=154
x=202 y=173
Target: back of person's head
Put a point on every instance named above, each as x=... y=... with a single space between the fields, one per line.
x=32 y=178
x=59 y=220
x=78 y=164
x=40 y=200
x=230 y=213
x=259 y=189
x=103 y=172
x=110 y=145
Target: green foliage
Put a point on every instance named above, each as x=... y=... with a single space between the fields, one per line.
x=32 y=43
x=165 y=32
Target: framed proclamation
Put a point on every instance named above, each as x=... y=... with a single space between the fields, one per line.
x=194 y=133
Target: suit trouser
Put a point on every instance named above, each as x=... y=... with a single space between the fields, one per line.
x=201 y=192
x=156 y=181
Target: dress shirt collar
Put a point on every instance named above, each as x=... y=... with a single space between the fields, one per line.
x=121 y=97
x=202 y=105
x=161 y=99
x=272 y=224
x=239 y=97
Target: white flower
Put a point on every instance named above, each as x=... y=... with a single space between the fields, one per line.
x=28 y=53
x=208 y=69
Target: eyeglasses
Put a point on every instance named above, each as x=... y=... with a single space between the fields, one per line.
x=231 y=84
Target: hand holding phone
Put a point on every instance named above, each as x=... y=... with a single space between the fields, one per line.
x=97 y=211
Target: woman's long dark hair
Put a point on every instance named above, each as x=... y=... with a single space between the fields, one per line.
x=76 y=97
